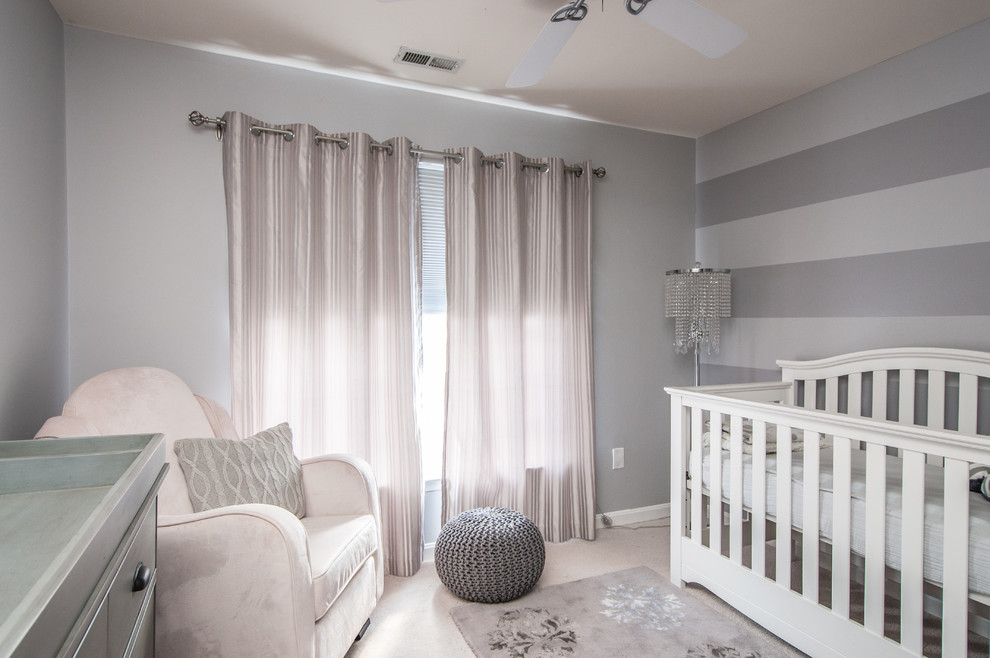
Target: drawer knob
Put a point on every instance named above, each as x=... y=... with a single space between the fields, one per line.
x=142 y=576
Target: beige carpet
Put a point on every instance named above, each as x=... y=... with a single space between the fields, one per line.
x=412 y=619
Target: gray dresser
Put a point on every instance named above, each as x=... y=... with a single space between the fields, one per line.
x=78 y=545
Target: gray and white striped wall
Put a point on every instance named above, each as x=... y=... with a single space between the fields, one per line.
x=856 y=216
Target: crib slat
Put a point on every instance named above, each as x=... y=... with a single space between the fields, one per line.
x=854 y=397
x=784 y=506
x=759 y=497
x=715 y=486
x=936 y=399
x=912 y=550
x=855 y=394
x=832 y=394
x=905 y=398
x=697 y=524
x=936 y=406
x=841 y=522
x=679 y=440
x=810 y=393
x=967 y=403
x=735 y=489
x=879 y=395
x=876 y=493
x=955 y=579
x=811 y=484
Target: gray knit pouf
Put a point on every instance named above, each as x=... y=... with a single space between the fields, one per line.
x=489 y=555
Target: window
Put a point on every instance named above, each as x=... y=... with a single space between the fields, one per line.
x=431 y=412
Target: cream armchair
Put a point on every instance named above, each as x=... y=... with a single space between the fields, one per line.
x=245 y=580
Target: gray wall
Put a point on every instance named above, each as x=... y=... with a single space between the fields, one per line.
x=32 y=218
x=148 y=269
x=856 y=216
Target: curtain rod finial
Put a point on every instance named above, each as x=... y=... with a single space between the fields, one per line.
x=197 y=119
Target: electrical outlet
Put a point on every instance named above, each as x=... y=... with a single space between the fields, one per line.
x=618 y=458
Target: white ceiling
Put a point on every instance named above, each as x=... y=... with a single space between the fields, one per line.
x=615 y=69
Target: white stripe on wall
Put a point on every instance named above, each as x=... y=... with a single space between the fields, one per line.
x=886 y=221
x=759 y=342
x=816 y=207
x=899 y=88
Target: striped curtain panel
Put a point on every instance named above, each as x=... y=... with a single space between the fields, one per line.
x=520 y=398
x=322 y=309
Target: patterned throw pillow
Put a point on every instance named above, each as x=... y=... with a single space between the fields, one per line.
x=259 y=469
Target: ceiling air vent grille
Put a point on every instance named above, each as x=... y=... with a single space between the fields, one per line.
x=430 y=60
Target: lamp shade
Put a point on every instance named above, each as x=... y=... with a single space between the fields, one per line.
x=697 y=298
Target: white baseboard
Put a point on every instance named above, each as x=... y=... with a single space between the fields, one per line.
x=638 y=515
x=619 y=517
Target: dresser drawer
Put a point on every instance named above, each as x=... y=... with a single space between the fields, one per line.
x=94 y=645
x=132 y=586
x=143 y=640
x=121 y=621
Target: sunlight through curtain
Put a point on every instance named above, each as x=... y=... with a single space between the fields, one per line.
x=520 y=398
x=322 y=249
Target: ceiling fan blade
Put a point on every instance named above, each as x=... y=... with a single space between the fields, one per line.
x=537 y=60
x=694 y=25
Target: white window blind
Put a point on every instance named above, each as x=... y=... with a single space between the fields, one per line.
x=434 y=240
x=431 y=417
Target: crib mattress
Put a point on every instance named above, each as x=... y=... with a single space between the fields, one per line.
x=979 y=507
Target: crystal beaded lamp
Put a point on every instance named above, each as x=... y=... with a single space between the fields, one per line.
x=697 y=298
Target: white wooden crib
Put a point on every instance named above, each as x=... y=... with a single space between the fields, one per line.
x=856 y=539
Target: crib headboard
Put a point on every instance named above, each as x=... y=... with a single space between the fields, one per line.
x=935 y=387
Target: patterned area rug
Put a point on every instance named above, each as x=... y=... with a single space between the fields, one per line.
x=635 y=612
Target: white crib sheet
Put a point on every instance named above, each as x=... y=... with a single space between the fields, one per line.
x=979 y=507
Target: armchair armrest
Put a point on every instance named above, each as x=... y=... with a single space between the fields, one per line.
x=342 y=484
x=339 y=484
x=234 y=581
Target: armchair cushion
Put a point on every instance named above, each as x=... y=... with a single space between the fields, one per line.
x=338 y=547
x=258 y=469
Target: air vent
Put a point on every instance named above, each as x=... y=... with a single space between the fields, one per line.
x=430 y=60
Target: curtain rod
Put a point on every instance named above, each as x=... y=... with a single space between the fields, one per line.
x=197 y=119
